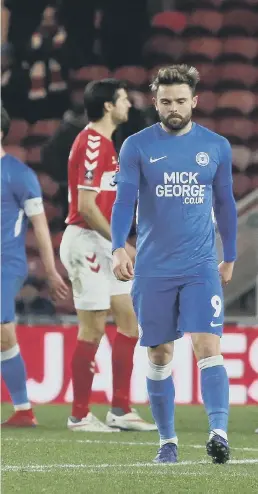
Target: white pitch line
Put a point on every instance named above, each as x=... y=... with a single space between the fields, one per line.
x=116 y=443
x=103 y=466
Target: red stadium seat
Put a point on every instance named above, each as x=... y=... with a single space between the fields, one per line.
x=207 y=101
x=243 y=18
x=164 y=45
x=208 y=73
x=238 y=72
x=89 y=73
x=210 y=47
x=206 y=122
x=18 y=131
x=246 y=47
x=137 y=76
x=17 y=151
x=236 y=127
x=241 y=185
x=208 y=19
x=49 y=187
x=241 y=156
x=176 y=21
x=241 y=100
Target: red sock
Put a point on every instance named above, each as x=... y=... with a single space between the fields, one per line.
x=122 y=366
x=82 y=376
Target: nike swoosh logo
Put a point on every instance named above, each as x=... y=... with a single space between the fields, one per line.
x=153 y=160
x=214 y=325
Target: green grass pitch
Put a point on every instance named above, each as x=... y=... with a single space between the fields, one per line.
x=50 y=459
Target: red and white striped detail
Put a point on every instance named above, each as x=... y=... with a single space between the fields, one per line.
x=92 y=152
x=93 y=263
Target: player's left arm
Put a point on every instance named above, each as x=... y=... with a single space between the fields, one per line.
x=225 y=210
x=30 y=199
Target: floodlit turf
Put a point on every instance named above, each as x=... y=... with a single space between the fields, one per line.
x=54 y=460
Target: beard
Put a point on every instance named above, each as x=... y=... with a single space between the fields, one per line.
x=175 y=122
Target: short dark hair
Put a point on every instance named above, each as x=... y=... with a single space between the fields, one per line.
x=5 y=121
x=97 y=93
x=176 y=74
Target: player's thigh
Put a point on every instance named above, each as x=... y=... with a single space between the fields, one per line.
x=121 y=303
x=205 y=345
x=201 y=305
x=8 y=336
x=124 y=315
x=10 y=287
x=155 y=302
x=91 y=325
x=86 y=267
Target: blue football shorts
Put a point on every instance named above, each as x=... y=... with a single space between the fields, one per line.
x=166 y=308
x=10 y=287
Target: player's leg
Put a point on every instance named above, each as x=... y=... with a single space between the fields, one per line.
x=201 y=313
x=155 y=303
x=121 y=414
x=91 y=300
x=12 y=364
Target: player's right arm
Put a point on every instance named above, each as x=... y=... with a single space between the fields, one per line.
x=127 y=179
x=28 y=193
x=90 y=211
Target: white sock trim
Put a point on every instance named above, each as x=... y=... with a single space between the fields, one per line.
x=220 y=432
x=159 y=372
x=22 y=406
x=12 y=352
x=210 y=362
x=173 y=440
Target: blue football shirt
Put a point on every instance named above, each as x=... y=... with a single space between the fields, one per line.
x=20 y=198
x=176 y=177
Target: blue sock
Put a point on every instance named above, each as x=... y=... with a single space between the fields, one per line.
x=215 y=391
x=161 y=392
x=14 y=376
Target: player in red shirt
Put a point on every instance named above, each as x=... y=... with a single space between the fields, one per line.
x=86 y=253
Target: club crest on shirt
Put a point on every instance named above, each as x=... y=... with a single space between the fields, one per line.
x=89 y=177
x=202 y=159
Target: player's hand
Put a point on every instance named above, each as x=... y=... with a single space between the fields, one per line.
x=57 y=286
x=131 y=251
x=122 y=265
x=226 y=271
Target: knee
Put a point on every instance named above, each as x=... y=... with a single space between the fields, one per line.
x=8 y=336
x=130 y=326
x=161 y=354
x=206 y=346
x=92 y=331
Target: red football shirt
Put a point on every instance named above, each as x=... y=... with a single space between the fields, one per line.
x=92 y=165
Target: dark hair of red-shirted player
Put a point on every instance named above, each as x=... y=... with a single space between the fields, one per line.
x=107 y=97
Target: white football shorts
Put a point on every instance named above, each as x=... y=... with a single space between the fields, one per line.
x=87 y=256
